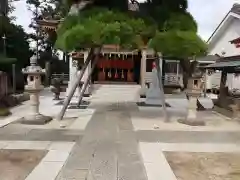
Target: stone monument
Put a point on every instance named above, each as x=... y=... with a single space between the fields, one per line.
x=193 y=93
x=153 y=94
x=34 y=87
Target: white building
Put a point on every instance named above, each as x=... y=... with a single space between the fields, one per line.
x=222 y=43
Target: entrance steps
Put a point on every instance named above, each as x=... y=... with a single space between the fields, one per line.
x=112 y=93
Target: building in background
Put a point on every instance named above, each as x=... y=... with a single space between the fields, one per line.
x=225 y=42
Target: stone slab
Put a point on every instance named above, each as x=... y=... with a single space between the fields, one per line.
x=46 y=170
x=158 y=167
x=56 y=156
x=192 y=122
x=205 y=103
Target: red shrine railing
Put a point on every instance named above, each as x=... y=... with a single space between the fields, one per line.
x=115 y=63
x=115 y=69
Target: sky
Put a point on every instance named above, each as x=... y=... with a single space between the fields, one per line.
x=207 y=13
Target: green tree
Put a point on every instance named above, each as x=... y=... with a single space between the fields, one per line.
x=97 y=27
x=94 y=28
x=186 y=45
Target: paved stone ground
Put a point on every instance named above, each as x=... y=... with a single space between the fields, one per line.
x=108 y=134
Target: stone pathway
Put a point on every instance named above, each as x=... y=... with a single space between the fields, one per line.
x=109 y=149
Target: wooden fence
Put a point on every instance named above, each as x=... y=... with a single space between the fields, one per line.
x=3 y=84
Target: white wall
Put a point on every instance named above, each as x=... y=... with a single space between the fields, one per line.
x=222 y=43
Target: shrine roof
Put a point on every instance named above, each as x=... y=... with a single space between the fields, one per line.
x=48 y=23
x=230 y=64
x=236 y=8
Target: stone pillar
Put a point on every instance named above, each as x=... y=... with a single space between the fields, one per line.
x=143 y=67
x=192 y=108
x=177 y=71
x=73 y=71
x=85 y=76
x=143 y=72
x=154 y=95
x=34 y=99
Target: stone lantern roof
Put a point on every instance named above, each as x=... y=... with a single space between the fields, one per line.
x=33 y=68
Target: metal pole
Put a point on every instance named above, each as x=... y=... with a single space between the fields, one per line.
x=159 y=75
x=76 y=83
x=14 y=78
x=177 y=70
x=87 y=81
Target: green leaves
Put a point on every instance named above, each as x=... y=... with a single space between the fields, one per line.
x=181 y=44
x=98 y=27
x=181 y=21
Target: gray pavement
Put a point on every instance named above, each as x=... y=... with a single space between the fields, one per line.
x=188 y=137
x=107 y=148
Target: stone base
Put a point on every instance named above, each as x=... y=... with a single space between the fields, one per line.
x=153 y=96
x=36 y=119
x=153 y=101
x=192 y=122
x=143 y=104
x=204 y=104
x=142 y=92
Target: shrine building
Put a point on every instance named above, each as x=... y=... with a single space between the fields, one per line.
x=225 y=43
x=116 y=65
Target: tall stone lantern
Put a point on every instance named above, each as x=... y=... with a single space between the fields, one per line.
x=194 y=91
x=34 y=87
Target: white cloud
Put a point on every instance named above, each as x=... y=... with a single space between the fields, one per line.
x=208 y=14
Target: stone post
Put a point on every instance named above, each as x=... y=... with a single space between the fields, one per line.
x=154 y=95
x=143 y=73
x=193 y=93
x=85 y=76
x=73 y=72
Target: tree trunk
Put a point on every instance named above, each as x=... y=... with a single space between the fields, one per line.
x=48 y=73
x=222 y=90
x=185 y=80
x=76 y=83
x=84 y=87
x=161 y=89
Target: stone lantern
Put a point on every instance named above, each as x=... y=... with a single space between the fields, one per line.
x=194 y=91
x=33 y=87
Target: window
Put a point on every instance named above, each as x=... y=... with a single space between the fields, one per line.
x=195 y=82
x=31 y=78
